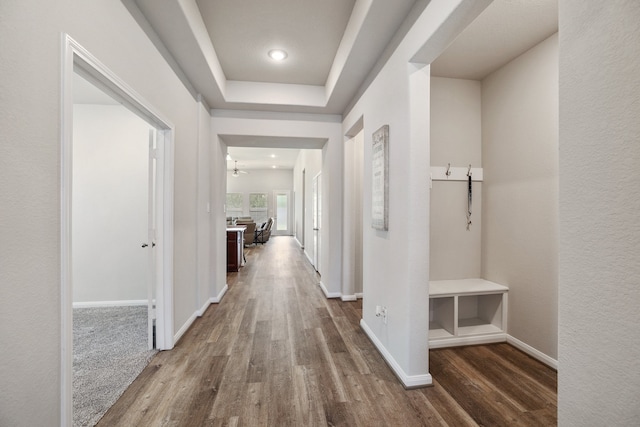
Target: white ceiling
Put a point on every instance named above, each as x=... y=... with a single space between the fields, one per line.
x=242 y=32
x=262 y=158
x=503 y=31
x=219 y=49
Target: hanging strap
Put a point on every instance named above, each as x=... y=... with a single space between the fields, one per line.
x=469 y=201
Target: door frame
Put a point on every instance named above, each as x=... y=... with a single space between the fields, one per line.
x=274 y=230
x=317 y=220
x=75 y=58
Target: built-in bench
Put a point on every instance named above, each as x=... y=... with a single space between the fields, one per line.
x=466 y=311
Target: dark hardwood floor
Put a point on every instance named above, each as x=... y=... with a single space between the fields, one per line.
x=275 y=352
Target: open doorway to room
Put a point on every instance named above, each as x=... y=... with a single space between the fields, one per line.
x=269 y=191
x=117 y=205
x=353 y=221
x=112 y=213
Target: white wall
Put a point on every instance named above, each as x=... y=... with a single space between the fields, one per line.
x=218 y=233
x=260 y=181
x=396 y=262
x=30 y=111
x=303 y=126
x=204 y=209
x=352 y=217
x=311 y=162
x=599 y=379
x=520 y=206
x=456 y=139
x=110 y=204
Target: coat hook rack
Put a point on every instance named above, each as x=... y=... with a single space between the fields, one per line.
x=452 y=173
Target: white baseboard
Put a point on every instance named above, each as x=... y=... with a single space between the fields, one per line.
x=298 y=242
x=327 y=293
x=212 y=300
x=308 y=257
x=122 y=303
x=459 y=341
x=217 y=299
x=536 y=354
x=184 y=327
x=348 y=297
x=408 y=381
x=359 y=295
x=200 y=312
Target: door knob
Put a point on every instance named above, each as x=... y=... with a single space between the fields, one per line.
x=144 y=245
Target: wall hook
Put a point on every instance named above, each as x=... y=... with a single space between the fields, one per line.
x=448 y=172
x=469 y=171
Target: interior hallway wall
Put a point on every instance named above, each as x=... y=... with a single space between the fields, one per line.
x=30 y=153
x=260 y=181
x=599 y=379
x=456 y=139
x=396 y=262
x=520 y=205
x=352 y=217
x=316 y=127
x=110 y=204
x=203 y=208
x=311 y=162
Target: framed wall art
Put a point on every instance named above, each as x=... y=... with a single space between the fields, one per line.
x=380 y=179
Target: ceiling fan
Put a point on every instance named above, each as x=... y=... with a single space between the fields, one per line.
x=236 y=172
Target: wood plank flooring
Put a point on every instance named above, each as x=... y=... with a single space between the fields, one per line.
x=276 y=352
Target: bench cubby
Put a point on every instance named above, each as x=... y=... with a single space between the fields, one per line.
x=466 y=311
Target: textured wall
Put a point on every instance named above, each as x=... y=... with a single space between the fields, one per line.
x=396 y=262
x=30 y=288
x=520 y=206
x=311 y=162
x=599 y=379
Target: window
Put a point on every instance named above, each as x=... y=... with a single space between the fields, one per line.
x=234 y=204
x=258 y=204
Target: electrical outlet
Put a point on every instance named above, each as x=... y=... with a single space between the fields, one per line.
x=381 y=311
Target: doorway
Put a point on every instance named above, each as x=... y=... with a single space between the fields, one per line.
x=158 y=235
x=282 y=202
x=317 y=220
x=303 y=215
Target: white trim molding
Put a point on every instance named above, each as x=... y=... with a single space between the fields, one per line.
x=327 y=293
x=460 y=341
x=185 y=327
x=348 y=298
x=359 y=295
x=200 y=312
x=408 y=381
x=536 y=354
x=76 y=59
x=217 y=299
x=124 y=303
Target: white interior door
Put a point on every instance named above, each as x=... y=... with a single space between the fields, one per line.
x=317 y=220
x=282 y=226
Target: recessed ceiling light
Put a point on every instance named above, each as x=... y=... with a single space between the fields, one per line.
x=274 y=166
x=273 y=156
x=277 y=54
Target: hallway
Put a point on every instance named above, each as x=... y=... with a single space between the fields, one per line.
x=276 y=352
